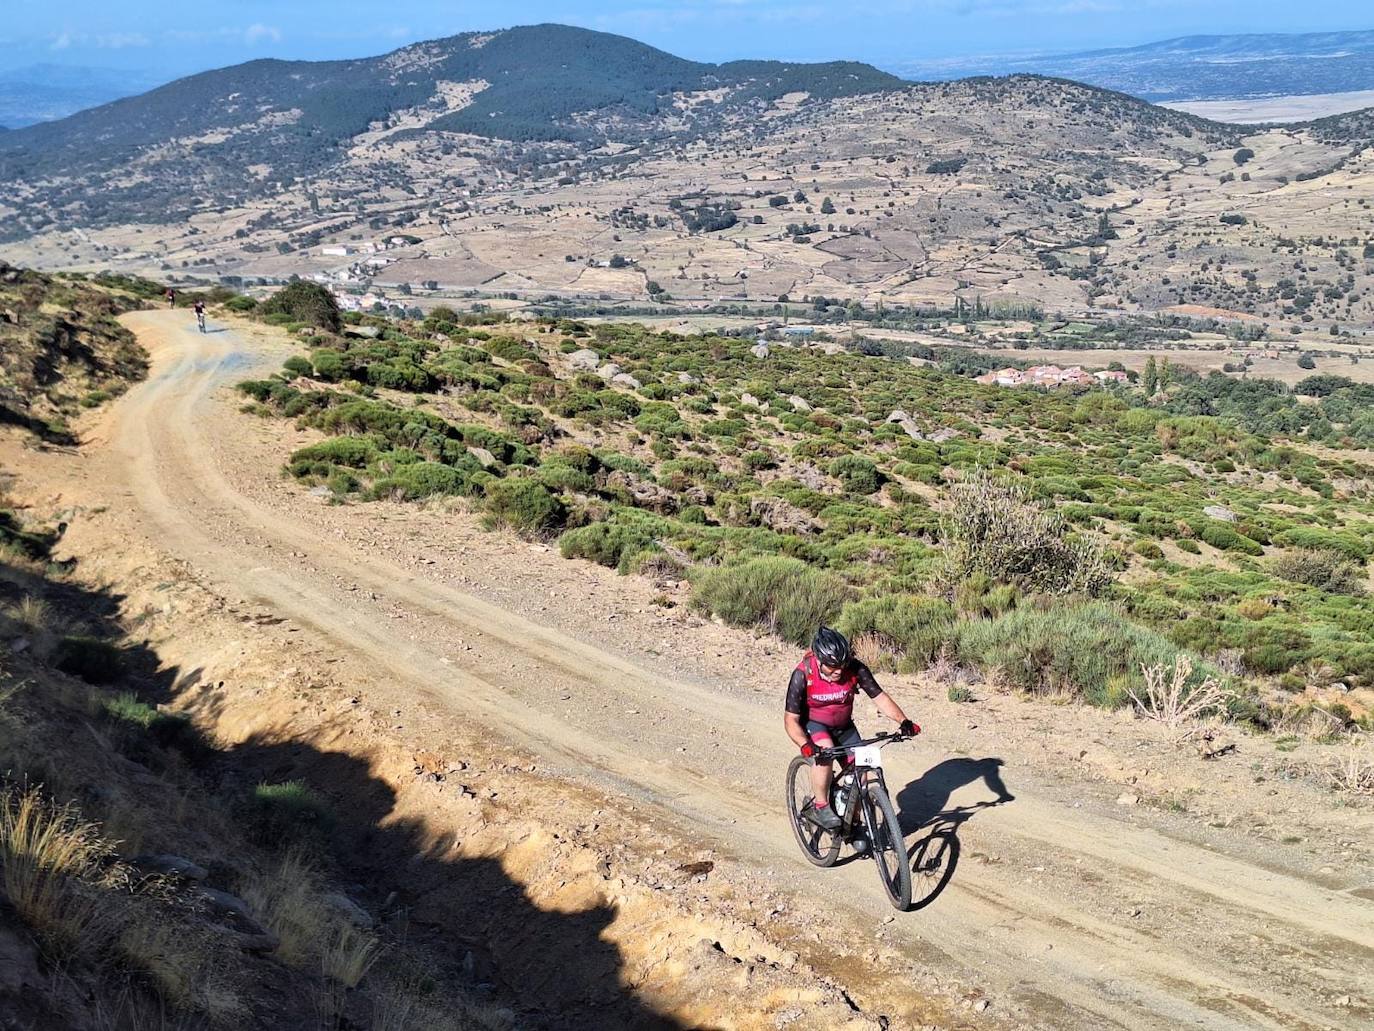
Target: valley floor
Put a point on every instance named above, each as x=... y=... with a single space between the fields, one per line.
x=1098 y=875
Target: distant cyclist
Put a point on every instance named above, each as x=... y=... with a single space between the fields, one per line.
x=200 y=314
x=171 y=298
x=820 y=710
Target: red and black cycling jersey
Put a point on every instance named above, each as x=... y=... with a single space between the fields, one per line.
x=831 y=702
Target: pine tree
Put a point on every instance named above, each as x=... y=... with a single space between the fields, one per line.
x=1165 y=376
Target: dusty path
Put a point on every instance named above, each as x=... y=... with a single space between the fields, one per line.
x=1082 y=914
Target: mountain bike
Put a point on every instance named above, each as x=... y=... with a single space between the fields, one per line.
x=860 y=798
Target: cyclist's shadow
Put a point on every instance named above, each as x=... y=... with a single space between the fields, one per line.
x=923 y=805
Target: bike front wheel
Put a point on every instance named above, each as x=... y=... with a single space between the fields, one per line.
x=888 y=845
x=820 y=846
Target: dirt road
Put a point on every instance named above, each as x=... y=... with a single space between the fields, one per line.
x=1067 y=909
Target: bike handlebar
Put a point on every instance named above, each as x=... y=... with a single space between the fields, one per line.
x=881 y=739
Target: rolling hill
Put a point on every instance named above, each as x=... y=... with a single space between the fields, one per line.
x=238 y=130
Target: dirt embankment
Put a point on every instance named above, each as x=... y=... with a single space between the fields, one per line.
x=562 y=760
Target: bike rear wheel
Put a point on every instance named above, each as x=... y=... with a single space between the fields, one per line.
x=820 y=846
x=888 y=845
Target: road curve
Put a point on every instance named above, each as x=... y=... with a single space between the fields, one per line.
x=1221 y=939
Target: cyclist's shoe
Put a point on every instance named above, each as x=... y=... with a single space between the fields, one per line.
x=823 y=816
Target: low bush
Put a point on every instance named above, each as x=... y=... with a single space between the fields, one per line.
x=857 y=475
x=910 y=628
x=607 y=544
x=287 y=814
x=1223 y=537
x=783 y=596
x=524 y=505
x=1089 y=650
x=354 y=452
x=422 y=480
x=996 y=528
x=1326 y=570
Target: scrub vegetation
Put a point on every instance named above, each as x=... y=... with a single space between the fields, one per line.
x=1063 y=542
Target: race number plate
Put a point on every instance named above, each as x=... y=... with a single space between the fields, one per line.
x=869 y=756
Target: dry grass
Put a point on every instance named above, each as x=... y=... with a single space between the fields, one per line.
x=1311 y=723
x=348 y=955
x=52 y=863
x=403 y=1004
x=185 y=966
x=34 y=615
x=286 y=899
x=1352 y=772
x=872 y=650
x=1167 y=697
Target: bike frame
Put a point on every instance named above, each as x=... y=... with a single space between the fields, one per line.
x=854 y=796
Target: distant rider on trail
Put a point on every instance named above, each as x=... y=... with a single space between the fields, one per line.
x=200 y=314
x=820 y=710
x=171 y=298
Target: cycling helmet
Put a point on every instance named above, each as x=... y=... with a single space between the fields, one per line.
x=831 y=648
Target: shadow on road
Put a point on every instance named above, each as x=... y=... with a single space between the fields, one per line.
x=923 y=805
x=473 y=919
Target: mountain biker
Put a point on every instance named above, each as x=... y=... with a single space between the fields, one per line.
x=171 y=298
x=200 y=314
x=819 y=712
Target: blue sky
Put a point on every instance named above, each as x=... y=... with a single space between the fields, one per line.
x=168 y=38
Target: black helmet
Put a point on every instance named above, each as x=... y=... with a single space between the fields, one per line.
x=831 y=648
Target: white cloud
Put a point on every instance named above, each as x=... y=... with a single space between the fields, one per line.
x=61 y=42
x=257 y=32
x=120 y=40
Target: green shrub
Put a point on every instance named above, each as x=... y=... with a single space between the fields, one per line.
x=1316 y=539
x=857 y=475
x=93 y=660
x=1189 y=545
x=305 y=302
x=959 y=693
x=1325 y=570
x=341 y=482
x=509 y=348
x=416 y=480
x=399 y=374
x=558 y=475
x=524 y=505
x=910 y=628
x=996 y=528
x=167 y=729
x=298 y=366
x=1221 y=535
x=1077 y=649
x=288 y=814
x=606 y=543
x=1147 y=549
x=784 y=596
x=354 y=452
x=241 y=303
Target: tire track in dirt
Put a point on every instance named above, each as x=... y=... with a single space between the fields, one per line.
x=1033 y=934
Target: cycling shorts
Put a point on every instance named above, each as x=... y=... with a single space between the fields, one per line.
x=832 y=737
